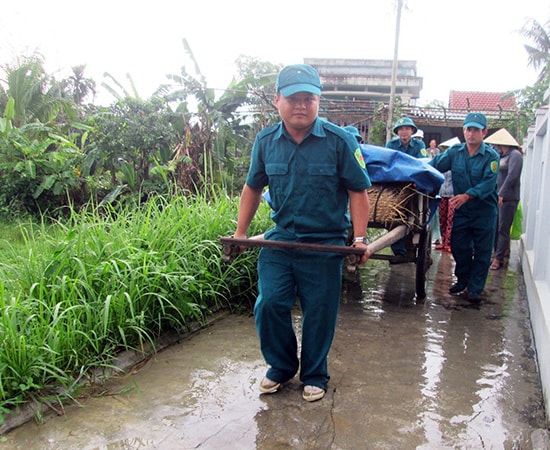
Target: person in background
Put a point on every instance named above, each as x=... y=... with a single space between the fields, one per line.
x=436 y=226
x=474 y=166
x=433 y=149
x=508 y=185
x=404 y=128
x=419 y=135
x=317 y=182
x=354 y=132
x=446 y=211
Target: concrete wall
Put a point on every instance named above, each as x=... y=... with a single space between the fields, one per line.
x=535 y=241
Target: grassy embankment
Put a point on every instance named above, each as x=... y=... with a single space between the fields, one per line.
x=75 y=294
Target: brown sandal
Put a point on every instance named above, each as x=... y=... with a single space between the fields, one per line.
x=495 y=265
x=268 y=386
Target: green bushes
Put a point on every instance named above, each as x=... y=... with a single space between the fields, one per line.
x=74 y=294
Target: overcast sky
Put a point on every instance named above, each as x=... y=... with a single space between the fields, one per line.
x=472 y=45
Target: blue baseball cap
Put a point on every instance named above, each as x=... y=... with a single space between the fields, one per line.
x=298 y=78
x=477 y=120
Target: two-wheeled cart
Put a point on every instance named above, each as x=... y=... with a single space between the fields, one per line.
x=396 y=207
x=404 y=212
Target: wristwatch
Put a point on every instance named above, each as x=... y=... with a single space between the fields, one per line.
x=362 y=239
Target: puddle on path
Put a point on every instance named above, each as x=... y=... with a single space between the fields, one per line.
x=439 y=373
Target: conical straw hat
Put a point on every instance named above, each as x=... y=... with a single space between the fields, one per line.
x=449 y=143
x=502 y=137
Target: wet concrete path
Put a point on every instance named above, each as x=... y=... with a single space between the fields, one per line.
x=436 y=374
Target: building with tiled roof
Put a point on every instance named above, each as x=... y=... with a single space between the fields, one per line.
x=357 y=92
x=481 y=101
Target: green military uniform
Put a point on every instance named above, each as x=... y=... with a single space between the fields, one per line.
x=415 y=147
x=308 y=184
x=474 y=223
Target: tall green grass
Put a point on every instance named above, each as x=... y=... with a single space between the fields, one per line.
x=74 y=294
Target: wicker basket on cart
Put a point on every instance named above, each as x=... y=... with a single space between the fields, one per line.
x=392 y=204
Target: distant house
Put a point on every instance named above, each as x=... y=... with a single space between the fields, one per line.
x=482 y=101
x=444 y=123
x=355 y=90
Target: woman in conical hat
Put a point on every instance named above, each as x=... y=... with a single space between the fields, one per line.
x=508 y=185
x=502 y=137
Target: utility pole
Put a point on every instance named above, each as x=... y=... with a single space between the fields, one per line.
x=394 y=70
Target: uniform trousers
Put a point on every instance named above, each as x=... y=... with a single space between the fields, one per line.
x=315 y=280
x=472 y=241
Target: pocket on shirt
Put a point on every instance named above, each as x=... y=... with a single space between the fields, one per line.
x=277 y=174
x=322 y=180
x=273 y=169
x=327 y=170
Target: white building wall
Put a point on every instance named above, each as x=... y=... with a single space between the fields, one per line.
x=535 y=240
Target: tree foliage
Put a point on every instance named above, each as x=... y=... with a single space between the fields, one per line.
x=130 y=138
x=538 y=51
x=40 y=174
x=538 y=56
x=58 y=150
x=36 y=94
x=40 y=143
x=78 y=87
x=219 y=130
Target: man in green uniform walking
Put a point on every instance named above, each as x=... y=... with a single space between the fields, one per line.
x=317 y=182
x=474 y=167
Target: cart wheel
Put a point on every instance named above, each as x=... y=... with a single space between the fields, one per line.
x=423 y=261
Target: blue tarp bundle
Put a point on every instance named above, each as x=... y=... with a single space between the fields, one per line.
x=390 y=166
x=385 y=165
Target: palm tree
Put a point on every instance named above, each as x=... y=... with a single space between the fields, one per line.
x=77 y=86
x=539 y=52
x=35 y=93
x=26 y=83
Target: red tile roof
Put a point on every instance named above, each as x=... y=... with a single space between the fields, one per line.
x=481 y=101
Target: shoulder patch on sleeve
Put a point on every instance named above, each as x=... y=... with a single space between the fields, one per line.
x=494 y=166
x=359 y=158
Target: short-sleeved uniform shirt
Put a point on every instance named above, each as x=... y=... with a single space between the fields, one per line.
x=308 y=182
x=415 y=148
x=475 y=175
